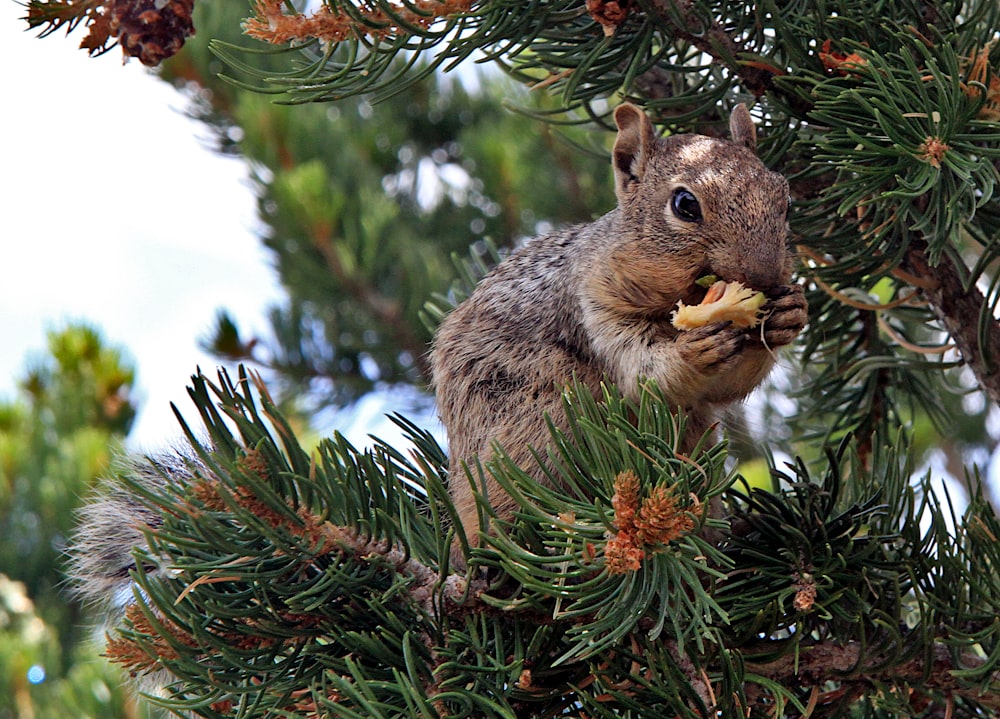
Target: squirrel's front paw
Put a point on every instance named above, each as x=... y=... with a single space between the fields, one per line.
x=785 y=314
x=712 y=347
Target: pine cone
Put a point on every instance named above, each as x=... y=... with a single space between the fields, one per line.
x=151 y=30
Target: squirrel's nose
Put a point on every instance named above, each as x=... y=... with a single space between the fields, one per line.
x=762 y=278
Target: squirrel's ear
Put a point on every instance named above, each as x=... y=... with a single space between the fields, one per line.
x=635 y=140
x=742 y=129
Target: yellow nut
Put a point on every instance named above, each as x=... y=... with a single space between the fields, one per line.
x=725 y=301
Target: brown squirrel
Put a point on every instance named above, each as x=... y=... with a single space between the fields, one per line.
x=591 y=302
x=594 y=302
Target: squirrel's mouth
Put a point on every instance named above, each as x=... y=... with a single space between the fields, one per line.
x=707 y=277
x=692 y=294
x=699 y=288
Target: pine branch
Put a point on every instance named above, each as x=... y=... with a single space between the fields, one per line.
x=964 y=312
x=320 y=586
x=860 y=674
x=710 y=37
x=339 y=21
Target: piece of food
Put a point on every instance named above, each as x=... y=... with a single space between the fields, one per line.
x=725 y=301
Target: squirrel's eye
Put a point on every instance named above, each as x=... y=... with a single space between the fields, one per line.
x=685 y=205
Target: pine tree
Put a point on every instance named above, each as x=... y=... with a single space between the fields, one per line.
x=290 y=582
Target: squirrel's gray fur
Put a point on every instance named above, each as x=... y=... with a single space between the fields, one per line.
x=110 y=526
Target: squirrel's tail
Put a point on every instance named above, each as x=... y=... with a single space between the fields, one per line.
x=110 y=527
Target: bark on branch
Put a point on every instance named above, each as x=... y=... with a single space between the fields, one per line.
x=959 y=309
x=815 y=665
x=711 y=38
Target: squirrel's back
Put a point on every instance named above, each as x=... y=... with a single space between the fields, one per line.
x=497 y=359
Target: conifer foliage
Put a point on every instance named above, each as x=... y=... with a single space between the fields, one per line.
x=284 y=583
x=287 y=582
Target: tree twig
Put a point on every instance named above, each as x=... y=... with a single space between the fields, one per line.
x=712 y=39
x=959 y=310
x=821 y=663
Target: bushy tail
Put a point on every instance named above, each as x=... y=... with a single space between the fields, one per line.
x=110 y=526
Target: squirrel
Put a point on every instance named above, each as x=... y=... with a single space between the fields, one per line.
x=592 y=303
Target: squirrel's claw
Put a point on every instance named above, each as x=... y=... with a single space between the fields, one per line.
x=785 y=314
x=712 y=347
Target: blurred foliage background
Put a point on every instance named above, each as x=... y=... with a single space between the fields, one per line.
x=366 y=206
x=59 y=434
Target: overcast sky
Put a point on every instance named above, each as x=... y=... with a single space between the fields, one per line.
x=114 y=211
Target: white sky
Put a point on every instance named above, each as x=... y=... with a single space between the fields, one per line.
x=115 y=211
